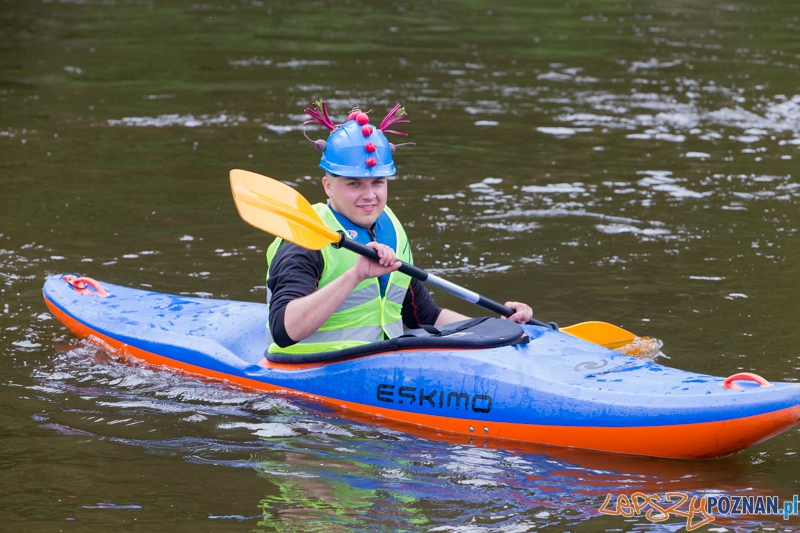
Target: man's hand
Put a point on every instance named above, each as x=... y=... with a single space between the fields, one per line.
x=522 y=314
x=387 y=262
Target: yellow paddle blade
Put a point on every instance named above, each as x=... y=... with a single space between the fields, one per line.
x=601 y=333
x=276 y=208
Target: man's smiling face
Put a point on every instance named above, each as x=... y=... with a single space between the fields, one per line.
x=359 y=199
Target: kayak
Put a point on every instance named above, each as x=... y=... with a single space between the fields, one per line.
x=493 y=380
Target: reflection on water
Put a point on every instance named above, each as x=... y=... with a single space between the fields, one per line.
x=188 y=121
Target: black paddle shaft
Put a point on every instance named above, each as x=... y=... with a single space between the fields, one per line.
x=431 y=279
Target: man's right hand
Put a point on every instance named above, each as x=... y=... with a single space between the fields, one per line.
x=366 y=268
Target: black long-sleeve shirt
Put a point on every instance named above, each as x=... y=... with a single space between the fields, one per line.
x=295 y=272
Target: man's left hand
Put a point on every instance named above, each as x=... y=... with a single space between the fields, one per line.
x=522 y=313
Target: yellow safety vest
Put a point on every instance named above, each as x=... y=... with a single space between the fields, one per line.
x=365 y=316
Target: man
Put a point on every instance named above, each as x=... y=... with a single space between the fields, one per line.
x=333 y=299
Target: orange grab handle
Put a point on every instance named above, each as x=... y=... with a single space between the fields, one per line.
x=744 y=376
x=82 y=284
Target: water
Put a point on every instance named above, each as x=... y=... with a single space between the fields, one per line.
x=632 y=163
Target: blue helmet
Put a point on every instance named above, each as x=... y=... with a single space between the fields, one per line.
x=356 y=149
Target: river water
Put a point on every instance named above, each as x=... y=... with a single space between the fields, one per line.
x=634 y=163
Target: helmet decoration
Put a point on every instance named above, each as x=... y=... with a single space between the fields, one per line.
x=356 y=149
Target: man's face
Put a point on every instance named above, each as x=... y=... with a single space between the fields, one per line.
x=360 y=199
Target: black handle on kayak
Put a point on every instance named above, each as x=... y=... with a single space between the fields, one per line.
x=436 y=281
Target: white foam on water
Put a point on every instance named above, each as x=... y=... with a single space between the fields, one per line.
x=150 y=405
x=653 y=63
x=300 y=63
x=672 y=120
x=617 y=229
x=554 y=76
x=555 y=188
x=557 y=131
x=26 y=344
x=188 y=121
x=250 y=62
x=515 y=227
x=282 y=128
x=206 y=395
x=263 y=429
x=485 y=107
x=671 y=137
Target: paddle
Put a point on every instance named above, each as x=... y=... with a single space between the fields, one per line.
x=277 y=208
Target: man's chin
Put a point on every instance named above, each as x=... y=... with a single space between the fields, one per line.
x=365 y=221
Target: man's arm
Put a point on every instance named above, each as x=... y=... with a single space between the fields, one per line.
x=304 y=315
x=419 y=308
x=522 y=313
x=294 y=273
x=447 y=316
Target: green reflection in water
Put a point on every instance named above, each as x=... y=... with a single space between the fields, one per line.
x=340 y=494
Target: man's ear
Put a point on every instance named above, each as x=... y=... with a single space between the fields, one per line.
x=326 y=184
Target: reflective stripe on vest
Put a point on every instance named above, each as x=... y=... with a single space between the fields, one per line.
x=364 y=316
x=359 y=297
